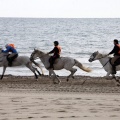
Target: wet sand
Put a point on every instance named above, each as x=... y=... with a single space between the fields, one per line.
x=24 y=98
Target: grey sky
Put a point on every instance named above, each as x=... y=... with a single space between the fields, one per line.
x=60 y=8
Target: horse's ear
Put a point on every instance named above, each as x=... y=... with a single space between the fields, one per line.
x=35 y=49
x=97 y=52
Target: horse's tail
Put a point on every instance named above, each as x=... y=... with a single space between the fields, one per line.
x=78 y=64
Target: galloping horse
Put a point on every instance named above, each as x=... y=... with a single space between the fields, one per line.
x=105 y=61
x=62 y=62
x=20 y=60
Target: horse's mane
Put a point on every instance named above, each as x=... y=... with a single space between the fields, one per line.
x=39 y=51
x=105 y=55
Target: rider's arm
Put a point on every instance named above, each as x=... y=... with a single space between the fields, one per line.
x=7 y=50
x=52 y=51
x=113 y=51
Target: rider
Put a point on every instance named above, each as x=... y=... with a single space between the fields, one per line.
x=116 y=51
x=56 y=50
x=10 y=48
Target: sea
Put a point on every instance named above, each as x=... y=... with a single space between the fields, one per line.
x=78 y=37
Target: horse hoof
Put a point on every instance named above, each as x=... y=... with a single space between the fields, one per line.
x=55 y=83
x=73 y=77
x=59 y=83
x=118 y=84
x=37 y=79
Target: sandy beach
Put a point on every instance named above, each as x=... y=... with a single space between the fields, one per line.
x=23 y=98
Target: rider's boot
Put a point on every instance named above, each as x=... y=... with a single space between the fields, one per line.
x=113 y=69
x=51 y=63
x=9 y=62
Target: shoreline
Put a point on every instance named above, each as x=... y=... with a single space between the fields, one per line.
x=45 y=83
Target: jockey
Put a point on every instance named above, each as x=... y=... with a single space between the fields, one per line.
x=56 y=50
x=116 y=52
x=10 y=48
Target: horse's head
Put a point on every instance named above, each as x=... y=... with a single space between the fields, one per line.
x=94 y=56
x=36 y=53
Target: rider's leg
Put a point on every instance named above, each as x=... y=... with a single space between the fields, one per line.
x=51 y=61
x=11 y=57
x=9 y=60
x=113 y=64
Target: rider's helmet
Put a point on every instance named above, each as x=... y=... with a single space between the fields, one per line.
x=116 y=41
x=11 y=45
x=56 y=43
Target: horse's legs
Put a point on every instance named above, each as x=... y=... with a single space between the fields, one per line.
x=4 y=68
x=29 y=65
x=50 y=74
x=37 y=71
x=107 y=75
x=113 y=76
x=72 y=70
x=117 y=80
x=54 y=76
x=39 y=67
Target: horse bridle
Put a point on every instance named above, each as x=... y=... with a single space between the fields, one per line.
x=101 y=58
x=31 y=58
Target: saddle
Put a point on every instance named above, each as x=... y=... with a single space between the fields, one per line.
x=57 y=60
x=117 y=62
x=53 y=61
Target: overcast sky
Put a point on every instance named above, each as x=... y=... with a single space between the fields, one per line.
x=60 y=8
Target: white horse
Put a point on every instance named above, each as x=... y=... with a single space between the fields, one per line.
x=63 y=62
x=105 y=61
x=20 y=60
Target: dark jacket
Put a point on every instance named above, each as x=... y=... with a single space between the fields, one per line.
x=55 y=51
x=115 y=50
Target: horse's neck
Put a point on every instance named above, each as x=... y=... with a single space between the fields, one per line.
x=45 y=58
x=103 y=61
x=3 y=55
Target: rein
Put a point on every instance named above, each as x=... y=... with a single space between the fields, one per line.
x=105 y=63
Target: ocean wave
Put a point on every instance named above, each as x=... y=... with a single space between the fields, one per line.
x=79 y=38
